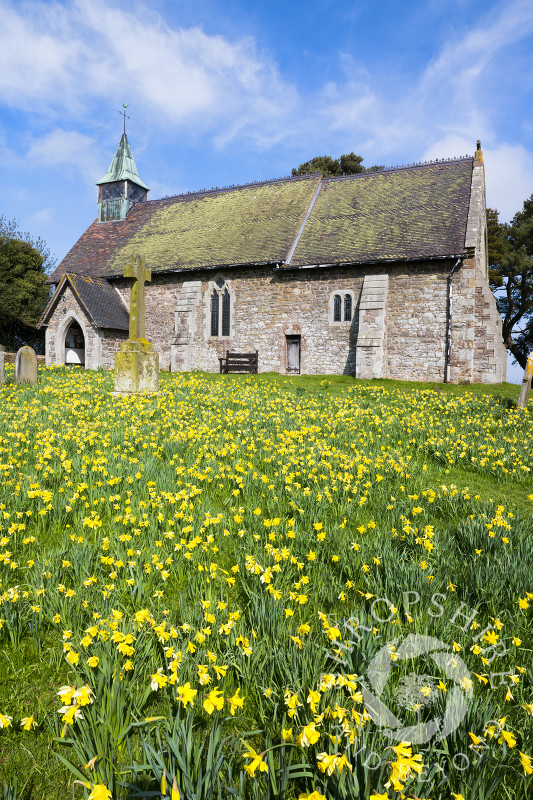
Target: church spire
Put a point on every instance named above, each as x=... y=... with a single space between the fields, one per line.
x=121 y=187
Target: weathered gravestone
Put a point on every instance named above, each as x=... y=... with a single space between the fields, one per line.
x=2 y=357
x=26 y=365
x=137 y=364
x=526 y=382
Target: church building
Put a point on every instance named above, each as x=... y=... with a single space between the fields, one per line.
x=377 y=275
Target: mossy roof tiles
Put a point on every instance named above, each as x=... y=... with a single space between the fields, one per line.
x=412 y=213
x=409 y=213
x=245 y=225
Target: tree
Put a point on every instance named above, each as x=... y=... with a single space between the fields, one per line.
x=347 y=164
x=9 y=230
x=23 y=292
x=510 y=254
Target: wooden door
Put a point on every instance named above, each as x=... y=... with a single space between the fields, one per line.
x=293 y=354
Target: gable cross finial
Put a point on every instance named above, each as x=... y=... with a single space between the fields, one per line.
x=123 y=114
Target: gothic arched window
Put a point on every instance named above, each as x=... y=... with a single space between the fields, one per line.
x=347 y=307
x=337 y=308
x=220 y=309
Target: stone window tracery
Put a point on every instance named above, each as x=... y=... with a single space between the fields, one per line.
x=341 y=307
x=220 y=308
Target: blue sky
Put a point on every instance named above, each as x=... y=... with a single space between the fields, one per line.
x=241 y=90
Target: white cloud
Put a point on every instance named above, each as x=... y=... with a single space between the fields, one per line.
x=64 y=58
x=509 y=178
x=452 y=101
x=41 y=217
x=80 y=58
x=508 y=170
x=69 y=149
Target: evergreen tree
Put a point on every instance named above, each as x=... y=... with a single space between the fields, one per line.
x=23 y=292
x=347 y=164
x=510 y=253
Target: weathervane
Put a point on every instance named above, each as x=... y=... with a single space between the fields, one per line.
x=123 y=114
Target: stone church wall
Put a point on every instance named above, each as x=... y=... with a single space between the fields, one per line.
x=268 y=305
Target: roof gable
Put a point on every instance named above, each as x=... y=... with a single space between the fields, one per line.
x=98 y=298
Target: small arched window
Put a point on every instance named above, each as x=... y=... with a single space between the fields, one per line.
x=214 y=313
x=220 y=309
x=347 y=307
x=337 y=308
x=225 y=313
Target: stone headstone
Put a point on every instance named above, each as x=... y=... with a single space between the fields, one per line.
x=2 y=356
x=26 y=365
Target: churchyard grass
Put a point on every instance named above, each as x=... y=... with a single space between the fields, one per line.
x=198 y=589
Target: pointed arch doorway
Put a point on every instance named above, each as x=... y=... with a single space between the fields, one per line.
x=74 y=345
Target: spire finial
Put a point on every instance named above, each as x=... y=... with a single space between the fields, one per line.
x=123 y=114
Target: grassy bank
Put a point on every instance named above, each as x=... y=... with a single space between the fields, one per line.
x=215 y=576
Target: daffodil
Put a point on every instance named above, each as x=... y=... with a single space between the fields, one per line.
x=99 y=792
x=256 y=762
x=215 y=700
x=186 y=694
x=235 y=702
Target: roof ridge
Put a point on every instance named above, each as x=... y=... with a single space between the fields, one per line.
x=231 y=187
x=401 y=167
x=287 y=178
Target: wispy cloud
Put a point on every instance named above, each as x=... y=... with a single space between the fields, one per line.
x=72 y=61
x=453 y=97
x=69 y=149
x=66 y=58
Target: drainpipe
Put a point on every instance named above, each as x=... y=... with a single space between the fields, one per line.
x=449 y=322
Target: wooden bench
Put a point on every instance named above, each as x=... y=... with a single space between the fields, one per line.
x=239 y=362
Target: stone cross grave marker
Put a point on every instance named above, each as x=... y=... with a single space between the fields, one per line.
x=2 y=358
x=526 y=382
x=136 y=270
x=137 y=364
x=26 y=365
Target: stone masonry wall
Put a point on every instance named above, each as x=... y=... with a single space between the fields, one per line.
x=110 y=341
x=416 y=322
x=489 y=355
x=268 y=305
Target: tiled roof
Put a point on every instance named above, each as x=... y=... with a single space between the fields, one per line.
x=406 y=213
x=244 y=225
x=100 y=300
